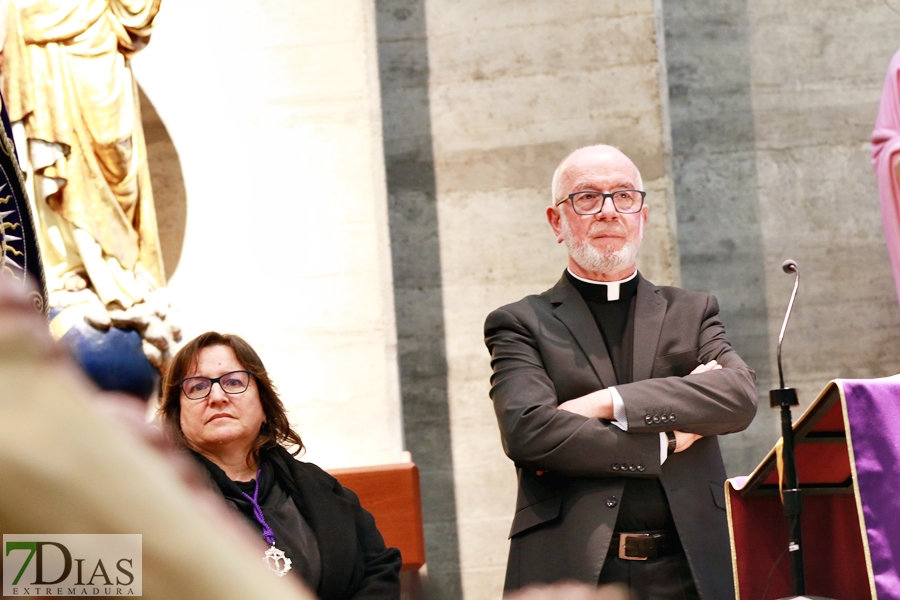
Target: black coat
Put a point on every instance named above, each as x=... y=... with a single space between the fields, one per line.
x=355 y=562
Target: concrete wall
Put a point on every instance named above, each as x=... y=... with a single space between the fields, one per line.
x=813 y=119
x=514 y=87
x=772 y=110
x=709 y=58
x=418 y=280
x=275 y=116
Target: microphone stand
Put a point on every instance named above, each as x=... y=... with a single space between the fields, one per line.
x=785 y=398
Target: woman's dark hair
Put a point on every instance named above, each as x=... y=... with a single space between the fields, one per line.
x=276 y=430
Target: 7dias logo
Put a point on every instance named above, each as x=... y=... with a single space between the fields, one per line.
x=72 y=565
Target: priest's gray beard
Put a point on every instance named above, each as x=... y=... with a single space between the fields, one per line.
x=590 y=259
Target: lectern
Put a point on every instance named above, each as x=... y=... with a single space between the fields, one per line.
x=847 y=446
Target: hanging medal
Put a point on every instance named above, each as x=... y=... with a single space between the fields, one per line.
x=277 y=561
x=274 y=558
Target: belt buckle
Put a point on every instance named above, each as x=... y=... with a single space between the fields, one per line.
x=623 y=538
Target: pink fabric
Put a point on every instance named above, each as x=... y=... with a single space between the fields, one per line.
x=885 y=148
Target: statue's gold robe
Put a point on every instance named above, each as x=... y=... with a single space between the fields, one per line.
x=68 y=80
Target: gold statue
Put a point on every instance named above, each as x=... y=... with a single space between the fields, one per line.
x=73 y=101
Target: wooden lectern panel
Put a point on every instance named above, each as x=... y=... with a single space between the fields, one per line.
x=820 y=448
x=833 y=552
x=818 y=465
x=391 y=493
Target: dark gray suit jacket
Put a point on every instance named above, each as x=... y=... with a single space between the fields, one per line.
x=547 y=349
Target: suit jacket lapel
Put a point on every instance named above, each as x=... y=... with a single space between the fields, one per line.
x=649 y=312
x=574 y=313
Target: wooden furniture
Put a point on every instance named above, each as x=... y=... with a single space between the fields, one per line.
x=391 y=493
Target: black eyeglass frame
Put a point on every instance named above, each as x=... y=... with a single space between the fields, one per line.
x=214 y=381
x=611 y=196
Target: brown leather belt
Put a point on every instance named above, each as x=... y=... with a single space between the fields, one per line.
x=640 y=546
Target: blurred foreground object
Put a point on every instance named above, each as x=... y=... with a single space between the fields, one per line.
x=571 y=591
x=67 y=467
x=73 y=104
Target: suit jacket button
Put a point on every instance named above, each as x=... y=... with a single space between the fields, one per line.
x=672 y=418
x=648 y=419
x=611 y=502
x=665 y=418
x=656 y=418
x=640 y=468
x=631 y=467
x=615 y=466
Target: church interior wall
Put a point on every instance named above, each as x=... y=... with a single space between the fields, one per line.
x=418 y=282
x=275 y=116
x=709 y=58
x=813 y=118
x=772 y=112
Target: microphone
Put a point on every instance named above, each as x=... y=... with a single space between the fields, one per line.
x=785 y=398
x=788 y=267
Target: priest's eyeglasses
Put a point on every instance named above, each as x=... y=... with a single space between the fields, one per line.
x=590 y=202
x=198 y=388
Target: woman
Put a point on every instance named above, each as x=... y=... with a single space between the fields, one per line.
x=218 y=396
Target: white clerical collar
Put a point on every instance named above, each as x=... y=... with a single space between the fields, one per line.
x=612 y=287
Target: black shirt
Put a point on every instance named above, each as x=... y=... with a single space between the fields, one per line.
x=644 y=506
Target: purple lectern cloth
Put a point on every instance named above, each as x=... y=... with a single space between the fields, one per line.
x=873 y=410
x=885 y=147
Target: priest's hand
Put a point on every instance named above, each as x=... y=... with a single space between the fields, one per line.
x=684 y=440
x=710 y=366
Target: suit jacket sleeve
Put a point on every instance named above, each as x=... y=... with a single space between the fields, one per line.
x=712 y=403
x=534 y=432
